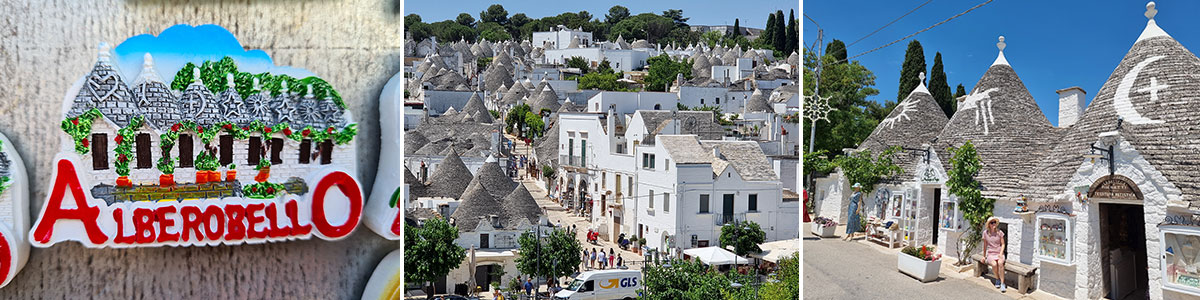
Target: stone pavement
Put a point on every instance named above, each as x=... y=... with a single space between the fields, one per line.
x=836 y=269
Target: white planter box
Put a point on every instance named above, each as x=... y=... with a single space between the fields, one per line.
x=925 y=271
x=823 y=231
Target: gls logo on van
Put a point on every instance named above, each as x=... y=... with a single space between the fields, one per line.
x=623 y=282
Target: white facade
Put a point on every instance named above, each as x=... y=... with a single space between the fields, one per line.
x=619 y=60
x=561 y=38
x=630 y=102
x=728 y=100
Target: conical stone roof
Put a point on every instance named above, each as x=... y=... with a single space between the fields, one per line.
x=450 y=178
x=474 y=105
x=519 y=204
x=476 y=205
x=414 y=140
x=492 y=177
x=914 y=122
x=758 y=103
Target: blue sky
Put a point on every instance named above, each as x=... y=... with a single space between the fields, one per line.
x=1051 y=44
x=179 y=44
x=753 y=13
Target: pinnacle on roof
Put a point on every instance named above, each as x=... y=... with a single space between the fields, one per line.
x=148 y=74
x=1000 y=60
x=519 y=204
x=921 y=84
x=1152 y=29
x=476 y=204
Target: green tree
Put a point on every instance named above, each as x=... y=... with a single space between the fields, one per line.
x=744 y=236
x=780 y=35
x=411 y=19
x=519 y=20
x=866 y=169
x=662 y=71
x=605 y=81
x=914 y=65
x=737 y=28
x=616 y=14
x=430 y=252
x=676 y=16
x=768 y=34
x=847 y=87
x=646 y=26
x=579 y=62
x=535 y=123
x=786 y=281
x=494 y=13
x=965 y=164
x=682 y=279
x=493 y=32
x=452 y=31
x=466 y=20
x=711 y=38
x=939 y=88
x=553 y=256
x=793 y=35
x=959 y=92
x=604 y=66
x=837 y=49
x=515 y=120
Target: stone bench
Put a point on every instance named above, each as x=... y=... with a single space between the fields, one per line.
x=1024 y=272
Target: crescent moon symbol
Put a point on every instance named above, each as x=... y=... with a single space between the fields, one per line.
x=1121 y=102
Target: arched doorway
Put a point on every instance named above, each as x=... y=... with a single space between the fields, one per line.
x=485 y=275
x=1122 y=237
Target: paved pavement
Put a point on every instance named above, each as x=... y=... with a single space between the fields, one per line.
x=835 y=269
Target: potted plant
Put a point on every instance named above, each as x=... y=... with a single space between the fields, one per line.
x=231 y=173
x=921 y=263
x=824 y=227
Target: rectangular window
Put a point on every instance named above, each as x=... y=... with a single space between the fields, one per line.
x=226 y=148
x=704 y=203
x=583 y=153
x=752 y=203
x=630 y=187
x=666 y=202
x=144 y=161
x=255 y=152
x=484 y=241
x=651 y=196
x=645 y=160
x=667 y=164
x=185 y=151
x=570 y=151
x=701 y=101
x=99 y=151
x=327 y=152
x=718 y=100
x=652 y=161
x=305 y=150
x=276 y=147
x=727 y=209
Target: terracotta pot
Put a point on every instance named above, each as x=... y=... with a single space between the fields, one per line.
x=214 y=176
x=201 y=177
x=263 y=175
x=123 y=181
x=231 y=175
x=166 y=180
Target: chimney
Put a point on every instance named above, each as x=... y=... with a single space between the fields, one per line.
x=1070 y=105
x=611 y=125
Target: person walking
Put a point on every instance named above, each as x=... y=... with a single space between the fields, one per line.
x=611 y=257
x=853 y=224
x=529 y=286
x=583 y=262
x=592 y=260
x=993 y=249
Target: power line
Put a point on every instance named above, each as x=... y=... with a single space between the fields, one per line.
x=919 y=32
x=889 y=23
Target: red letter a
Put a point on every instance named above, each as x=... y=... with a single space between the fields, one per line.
x=65 y=180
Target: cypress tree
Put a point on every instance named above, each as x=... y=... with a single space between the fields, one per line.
x=914 y=64
x=737 y=28
x=768 y=33
x=939 y=88
x=780 y=34
x=793 y=34
x=838 y=49
x=960 y=92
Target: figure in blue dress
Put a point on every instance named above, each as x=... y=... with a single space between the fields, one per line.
x=855 y=201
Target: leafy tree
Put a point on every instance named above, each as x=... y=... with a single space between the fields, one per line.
x=604 y=66
x=536 y=125
x=493 y=32
x=780 y=35
x=965 y=164
x=793 y=35
x=818 y=162
x=482 y=62
x=646 y=26
x=466 y=20
x=744 y=236
x=939 y=88
x=847 y=87
x=430 y=252
x=411 y=19
x=768 y=33
x=556 y=255
x=682 y=279
x=605 y=81
x=452 y=31
x=959 y=92
x=519 y=20
x=737 y=28
x=914 y=64
x=616 y=14
x=515 y=120
x=419 y=31
x=786 y=283
x=494 y=13
x=579 y=62
x=866 y=169
x=676 y=16
x=711 y=38
x=837 y=49
x=662 y=71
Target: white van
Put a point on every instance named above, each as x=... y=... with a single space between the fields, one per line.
x=606 y=284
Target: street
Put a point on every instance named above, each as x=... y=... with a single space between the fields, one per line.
x=836 y=269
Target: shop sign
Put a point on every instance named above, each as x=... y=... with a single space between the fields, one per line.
x=131 y=142
x=1115 y=187
x=1055 y=208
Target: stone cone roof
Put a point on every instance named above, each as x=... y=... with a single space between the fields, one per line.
x=1011 y=133
x=492 y=177
x=514 y=94
x=475 y=105
x=520 y=204
x=414 y=140
x=158 y=104
x=914 y=122
x=416 y=188
x=476 y=205
x=450 y=178
x=1162 y=130
x=231 y=105
x=640 y=44
x=547 y=146
x=105 y=90
x=701 y=67
x=758 y=103
x=199 y=104
x=495 y=77
x=546 y=99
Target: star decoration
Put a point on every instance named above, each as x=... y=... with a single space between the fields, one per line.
x=817 y=108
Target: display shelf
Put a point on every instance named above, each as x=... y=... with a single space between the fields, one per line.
x=950 y=217
x=1181 y=258
x=910 y=214
x=1054 y=235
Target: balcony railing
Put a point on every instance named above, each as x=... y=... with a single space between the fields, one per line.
x=574 y=161
x=722 y=219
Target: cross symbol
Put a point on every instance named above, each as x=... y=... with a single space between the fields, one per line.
x=1154 y=88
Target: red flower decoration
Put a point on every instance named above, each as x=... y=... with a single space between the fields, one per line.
x=287 y=131
x=228 y=126
x=305 y=132
x=199 y=128
x=270 y=190
x=175 y=127
x=254 y=189
x=329 y=131
x=245 y=128
x=118 y=139
x=84 y=142
x=122 y=157
x=75 y=121
x=267 y=129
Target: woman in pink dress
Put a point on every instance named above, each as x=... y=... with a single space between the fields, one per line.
x=993 y=250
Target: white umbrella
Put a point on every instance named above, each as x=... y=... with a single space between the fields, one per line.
x=715 y=256
x=774 y=251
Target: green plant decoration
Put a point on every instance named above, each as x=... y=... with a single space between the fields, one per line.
x=263 y=190
x=212 y=74
x=206 y=161
x=964 y=166
x=79 y=128
x=124 y=141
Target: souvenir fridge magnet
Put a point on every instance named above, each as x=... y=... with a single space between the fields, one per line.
x=14 y=212
x=384 y=207
x=187 y=139
x=385 y=282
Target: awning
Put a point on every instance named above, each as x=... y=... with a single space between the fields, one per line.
x=715 y=256
x=777 y=250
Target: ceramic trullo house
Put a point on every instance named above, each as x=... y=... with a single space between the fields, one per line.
x=1107 y=204
x=117 y=127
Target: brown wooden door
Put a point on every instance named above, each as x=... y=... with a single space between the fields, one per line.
x=99 y=151
x=144 y=161
x=185 y=151
x=305 y=151
x=226 y=149
x=255 y=152
x=276 y=146
x=327 y=152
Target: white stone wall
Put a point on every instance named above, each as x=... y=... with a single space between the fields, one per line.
x=355 y=45
x=832 y=197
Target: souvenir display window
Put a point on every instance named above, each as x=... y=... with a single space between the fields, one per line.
x=1054 y=237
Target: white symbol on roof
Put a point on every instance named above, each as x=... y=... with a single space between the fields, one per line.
x=982 y=102
x=904 y=108
x=1121 y=101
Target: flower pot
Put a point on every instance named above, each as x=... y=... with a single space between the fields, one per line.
x=214 y=176
x=166 y=180
x=823 y=231
x=201 y=177
x=231 y=175
x=263 y=175
x=123 y=181
x=922 y=270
